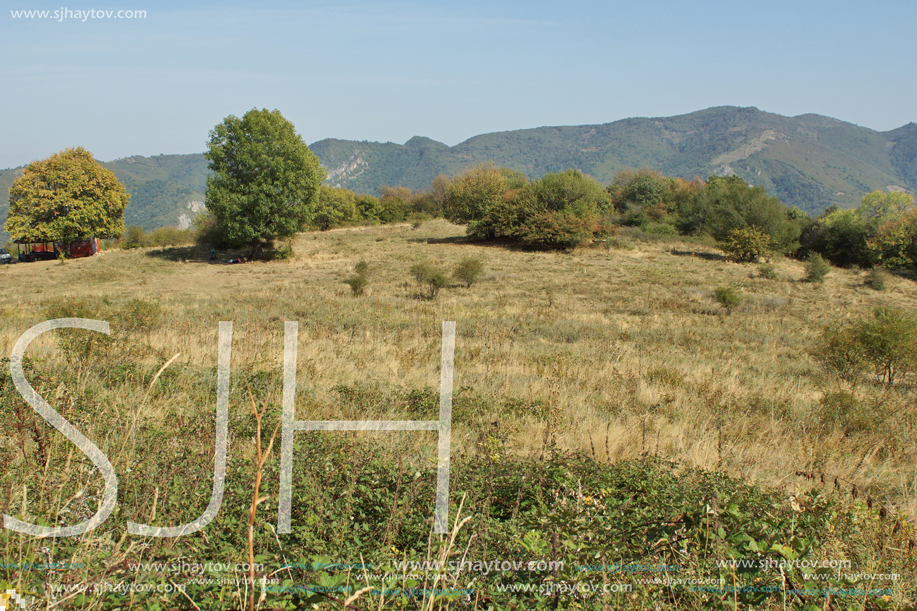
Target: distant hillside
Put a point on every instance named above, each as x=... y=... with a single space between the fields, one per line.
x=808 y=161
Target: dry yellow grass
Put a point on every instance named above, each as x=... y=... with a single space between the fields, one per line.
x=627 y=344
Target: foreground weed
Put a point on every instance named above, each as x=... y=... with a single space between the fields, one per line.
x=260 y=459
x=728 y=297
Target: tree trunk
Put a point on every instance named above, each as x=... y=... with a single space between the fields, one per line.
x=257 y=251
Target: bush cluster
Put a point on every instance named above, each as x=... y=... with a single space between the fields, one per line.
x=885 y=344
x=559 y=210
x=723 y=205
x=430 y=277
x=882 y=231
x=137 y=237
x=875 y=279
x=746 y=244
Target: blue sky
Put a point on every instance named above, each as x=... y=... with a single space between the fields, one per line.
x=388 y=70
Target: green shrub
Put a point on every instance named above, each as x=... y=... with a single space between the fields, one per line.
x=889 y=343
x=745 y=244
x=359 y=279
x=557 y=229
x=284 y=252
x=768 y=271
x=134 y=237
x=422 y=271
x=839 y=351
x=357 y=284
x=169 y=236
x=469 y=270
x=728 y=203
x=559 y=210
x=368 y=207
x=816 y=268
x=436 y=281
x=843 y=409
x=661 y=229
x=895 y=242
x=840 y=236
x=728 y=297
x=394 y=203
x=335 y=207
x=875 y=279
x=431 y=277
x=885 y=343
x=637 y=190
x=207 y=232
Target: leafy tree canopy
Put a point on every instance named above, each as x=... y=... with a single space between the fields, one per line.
x=559 y=210
x=571 y=191
x=67 y=197
x=472 y=195
x=266 y=180
x=882 y=230
x=335 y=207
x=728 y=203
x=885 y=206
x=643 y=188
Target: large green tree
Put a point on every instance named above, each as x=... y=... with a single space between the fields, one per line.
x=726 y=204
x=265 y=180
x=67 y=197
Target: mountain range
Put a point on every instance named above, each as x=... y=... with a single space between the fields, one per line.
x=809 y=161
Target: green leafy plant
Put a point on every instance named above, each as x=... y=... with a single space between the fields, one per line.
x=746 y=244
x=357 y=284
x=359 y=279
x=435 y=282
x=768 y=271
x=817 y=268
x=430 y=277
x=284 y=252
x=469 y=270
x=728 y=297
x=875 y=279
x=421 y=271
x=885 y=343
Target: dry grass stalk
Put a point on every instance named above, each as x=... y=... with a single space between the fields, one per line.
x=261 y=458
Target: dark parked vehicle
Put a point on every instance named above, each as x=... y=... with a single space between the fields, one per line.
x=39 y=252
x=49 y=251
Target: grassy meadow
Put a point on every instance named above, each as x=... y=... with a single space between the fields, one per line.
x=607 y=411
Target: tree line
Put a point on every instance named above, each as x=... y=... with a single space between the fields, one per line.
x=267 y=185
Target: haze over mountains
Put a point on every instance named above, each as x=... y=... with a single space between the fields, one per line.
x=809 y=161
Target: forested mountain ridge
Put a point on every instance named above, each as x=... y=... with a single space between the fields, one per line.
x=809 y=161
